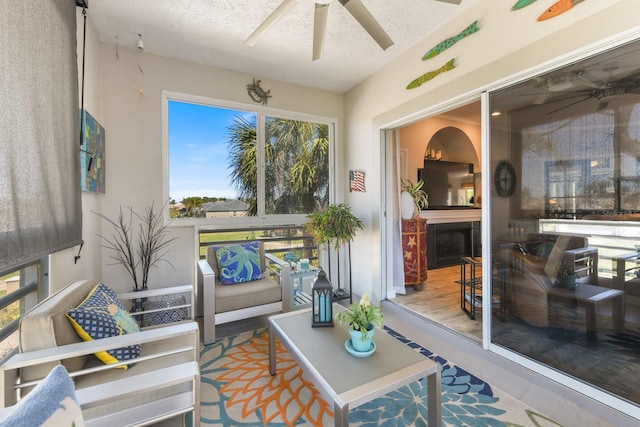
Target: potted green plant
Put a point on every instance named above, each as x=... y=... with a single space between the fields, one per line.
x=138 y=252
x=335 y=225
x=566 y=276
x=411 y=206
x=362 y=318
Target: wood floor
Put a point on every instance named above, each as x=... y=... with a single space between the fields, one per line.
x=438 y=299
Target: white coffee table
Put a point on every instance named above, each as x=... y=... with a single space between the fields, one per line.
x=349 y=381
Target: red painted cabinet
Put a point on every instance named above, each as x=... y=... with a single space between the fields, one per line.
x=414 y=251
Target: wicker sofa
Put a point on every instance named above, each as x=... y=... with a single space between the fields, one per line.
x=163 y=382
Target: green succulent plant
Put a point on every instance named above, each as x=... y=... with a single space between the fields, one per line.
x=361 y=315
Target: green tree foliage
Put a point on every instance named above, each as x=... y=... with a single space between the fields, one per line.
x=9 y=314
x=193 y=204
x=296 y=164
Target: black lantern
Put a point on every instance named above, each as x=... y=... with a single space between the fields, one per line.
x=322 y=301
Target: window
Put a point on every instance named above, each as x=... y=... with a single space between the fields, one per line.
x=576 y=155
x=231 y=163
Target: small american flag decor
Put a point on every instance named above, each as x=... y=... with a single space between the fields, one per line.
x=356 y=181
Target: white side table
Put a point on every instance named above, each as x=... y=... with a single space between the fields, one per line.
x=300 y=299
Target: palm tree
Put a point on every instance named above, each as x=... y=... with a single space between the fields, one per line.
x=296 y=164
x=243 y=154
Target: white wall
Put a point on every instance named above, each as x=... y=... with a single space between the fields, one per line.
x=508 y=43
x=416 y=137
x=127 y=104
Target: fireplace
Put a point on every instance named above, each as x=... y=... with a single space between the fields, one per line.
x=446 y=243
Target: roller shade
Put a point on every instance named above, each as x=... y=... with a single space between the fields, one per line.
x=40 y=197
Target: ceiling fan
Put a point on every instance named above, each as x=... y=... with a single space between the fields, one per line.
x=603 y=94
x=355 y=8
x=560 y=83
x=602 y=81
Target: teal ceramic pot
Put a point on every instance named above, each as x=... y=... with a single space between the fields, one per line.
x=358 y=343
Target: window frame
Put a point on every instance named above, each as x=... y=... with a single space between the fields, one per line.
x=260 y=219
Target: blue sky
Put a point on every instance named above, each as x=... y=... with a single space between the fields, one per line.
x=198 y=152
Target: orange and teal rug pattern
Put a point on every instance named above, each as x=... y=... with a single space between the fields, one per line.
x=237 y=390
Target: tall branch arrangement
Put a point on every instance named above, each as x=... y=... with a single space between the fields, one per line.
x=150 y=245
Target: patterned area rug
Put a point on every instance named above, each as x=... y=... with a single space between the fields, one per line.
x=237 y=390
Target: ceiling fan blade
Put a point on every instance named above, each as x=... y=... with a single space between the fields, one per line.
x=450 y=1
x=368 y=22
x=319 y=29
x=540 y=99
x=568 y=105
x=270 y=21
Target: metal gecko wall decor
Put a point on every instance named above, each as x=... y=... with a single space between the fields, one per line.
x=256 y=93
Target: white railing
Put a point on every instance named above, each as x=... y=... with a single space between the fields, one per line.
x=611 y=238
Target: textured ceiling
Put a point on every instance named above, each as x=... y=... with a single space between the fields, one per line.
x=212 y=32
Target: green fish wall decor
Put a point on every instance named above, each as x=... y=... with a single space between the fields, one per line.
x=446 y=44
x=431 y=74
x=522 y=3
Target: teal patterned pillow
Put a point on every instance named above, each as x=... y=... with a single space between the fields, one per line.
x=102 y=315
x=52 y=403
x=238 y=263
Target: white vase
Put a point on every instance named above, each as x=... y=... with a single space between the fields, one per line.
x=407 y=205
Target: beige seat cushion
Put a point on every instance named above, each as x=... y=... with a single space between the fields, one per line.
x=244 y=295
x=149 y=348
x=117 y=402
x=46 y=325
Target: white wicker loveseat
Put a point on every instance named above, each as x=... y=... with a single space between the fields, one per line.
x=161 y=383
